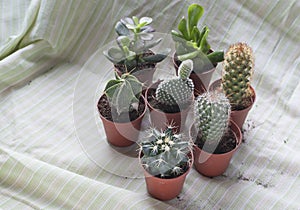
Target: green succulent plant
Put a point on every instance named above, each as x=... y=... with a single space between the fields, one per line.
x=123 y=93
x=134 y=42
x=212 y=115
x=191 y=43
x=166 y=154
x=237 y=75
x=177 y=91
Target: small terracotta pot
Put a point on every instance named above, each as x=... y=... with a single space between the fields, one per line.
x=201 y=81
x=161 y=119
x=238 y=116
x=165 y=189
x=122 y=134
x=212 y=165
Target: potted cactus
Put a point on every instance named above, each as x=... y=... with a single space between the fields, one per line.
x=121 y=110
x=169 y=100
x=166 y=158
x=216 y=138
x=192 y=43
x=133 y=51
x=236 y=79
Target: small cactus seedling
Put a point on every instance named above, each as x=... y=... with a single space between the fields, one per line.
x=212 y=114
x=123 y=93
x=165 y=153
x=237 y=74
x=177 y=91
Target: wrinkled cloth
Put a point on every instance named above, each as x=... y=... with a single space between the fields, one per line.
x=53 y=150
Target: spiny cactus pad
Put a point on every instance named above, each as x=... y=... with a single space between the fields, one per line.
x=165 y=153
x=237 y=74
x=212 y=112
x=177 y=91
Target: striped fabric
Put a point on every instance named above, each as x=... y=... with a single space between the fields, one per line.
x=53 y=152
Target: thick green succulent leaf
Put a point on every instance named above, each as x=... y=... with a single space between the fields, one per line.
x=190 y=55
x=204 y=45
x=115 y=55
x=177 y=38
x=121 y=29
x=145 y=20
x=146 y=36
x=203 y=31
x=216 y=57
x=123 y=41
x=195 y=12
x=195 y=35
x=182 y=27
x=158 y=57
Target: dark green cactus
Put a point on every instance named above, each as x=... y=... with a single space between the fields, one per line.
x=212 y=114
x=237 y=74
x=165 y=153
x=177 y=91
x=123 y=92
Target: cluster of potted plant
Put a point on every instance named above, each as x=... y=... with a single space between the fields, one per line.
x=170 y=149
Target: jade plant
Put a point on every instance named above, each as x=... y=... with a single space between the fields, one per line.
x=166 y=154
x=212 y=115
x=123 y=93
x=237 y=75
x=134 y=42
x=191 y=42
x=177 y=91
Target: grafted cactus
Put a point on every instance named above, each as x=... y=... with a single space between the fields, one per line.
x=237 y=74
x=212 y=113
x=165 y=153
x=177 y=91
x=123 y=92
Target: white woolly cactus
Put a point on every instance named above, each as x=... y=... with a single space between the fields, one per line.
x=177 y=91
x=212 y=113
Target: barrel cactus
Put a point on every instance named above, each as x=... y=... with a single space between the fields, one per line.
x=177 y=91
x=212 y=114
x=165 y=154
x=237 y=74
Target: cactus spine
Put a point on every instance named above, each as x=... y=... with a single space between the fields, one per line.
x=165 y=153
x=212 y=113
x=237 y=74
x=177 y=91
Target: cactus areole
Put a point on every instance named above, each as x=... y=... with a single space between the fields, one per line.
x=176 y=92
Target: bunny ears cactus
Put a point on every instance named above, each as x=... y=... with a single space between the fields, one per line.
x=177 y=91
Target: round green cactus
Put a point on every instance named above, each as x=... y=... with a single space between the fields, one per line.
x=237 y=74
x=212 y=114
x=177 y=91
x=165 y=153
